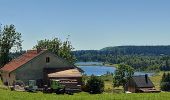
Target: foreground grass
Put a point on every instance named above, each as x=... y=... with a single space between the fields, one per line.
x=13 y=95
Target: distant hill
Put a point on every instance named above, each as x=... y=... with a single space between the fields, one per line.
x=139 y=57
x=126 y=50
x=139 y=50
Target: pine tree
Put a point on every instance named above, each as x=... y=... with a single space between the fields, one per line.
x=163 y=77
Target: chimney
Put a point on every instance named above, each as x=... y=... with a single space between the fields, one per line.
x=38 y=49
x=146 y=78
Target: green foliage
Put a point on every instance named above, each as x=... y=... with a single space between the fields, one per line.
x=122 y=74
x=9 y=40
x=165 y=82
x=56 y=85
x=95 y=85
x=163 y=77
x=61 y=49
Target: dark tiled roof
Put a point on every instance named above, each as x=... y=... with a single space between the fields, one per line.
x=142 y=82
x=21 y=60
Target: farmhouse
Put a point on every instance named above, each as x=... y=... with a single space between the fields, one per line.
x=140 y=83
x=42 y=66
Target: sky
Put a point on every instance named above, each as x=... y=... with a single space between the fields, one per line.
x=91 y=24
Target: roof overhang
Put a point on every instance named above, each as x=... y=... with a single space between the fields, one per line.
x=65 y=73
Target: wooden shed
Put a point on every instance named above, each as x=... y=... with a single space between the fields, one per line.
x=140 y=83
x=71 y=78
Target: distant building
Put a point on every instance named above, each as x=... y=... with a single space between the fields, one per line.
x=140 y=83
x=41 y=65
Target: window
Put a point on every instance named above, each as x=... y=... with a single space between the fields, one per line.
x=47 y=59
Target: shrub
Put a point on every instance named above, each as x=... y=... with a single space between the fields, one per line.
x=165 y=86
x=95 y=85
x=165 y=82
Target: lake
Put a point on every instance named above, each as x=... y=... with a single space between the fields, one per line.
x=101 y=70
x=89 y=63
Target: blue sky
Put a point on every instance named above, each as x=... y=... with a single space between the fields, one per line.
x=91 y=24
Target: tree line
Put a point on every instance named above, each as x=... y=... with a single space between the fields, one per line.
x=139 y=57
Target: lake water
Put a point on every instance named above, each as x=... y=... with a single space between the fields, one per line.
x=101 y=70
x=89 y=63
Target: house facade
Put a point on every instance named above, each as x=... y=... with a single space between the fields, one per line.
x=36 y=65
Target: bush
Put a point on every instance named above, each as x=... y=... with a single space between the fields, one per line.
x=165 y=86
x=95 y=85
x=165 y=82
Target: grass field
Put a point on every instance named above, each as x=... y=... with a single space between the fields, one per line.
x=13 y=95
x=109 y=94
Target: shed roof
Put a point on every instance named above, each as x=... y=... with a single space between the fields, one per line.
x=21 y=60
x=142 y=81
x=66 y=73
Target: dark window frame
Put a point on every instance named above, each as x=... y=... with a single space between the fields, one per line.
x=47 y=59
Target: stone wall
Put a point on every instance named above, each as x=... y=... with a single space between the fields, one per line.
x=8 y=78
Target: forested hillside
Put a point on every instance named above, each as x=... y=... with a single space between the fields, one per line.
x=139 y=50
x=139 y=57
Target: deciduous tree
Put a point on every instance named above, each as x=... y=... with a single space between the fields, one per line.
x=9 y=39
x=61 y=49
x=122 y=75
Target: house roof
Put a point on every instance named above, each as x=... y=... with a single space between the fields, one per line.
x=147 y=90
x=142 y=81
x=16 y=63
x=66 y=73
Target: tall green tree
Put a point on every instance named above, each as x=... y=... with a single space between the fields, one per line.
x=9 y=39
x=61 y=49
x=122 y=75
x=163 y=77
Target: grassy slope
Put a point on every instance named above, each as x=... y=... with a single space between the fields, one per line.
x=156 y=80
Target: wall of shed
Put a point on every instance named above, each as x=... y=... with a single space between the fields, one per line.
x=33 y=70
x=131 y=87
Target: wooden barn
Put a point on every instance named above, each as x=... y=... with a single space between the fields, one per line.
x=141 y=84
x=41 y=65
